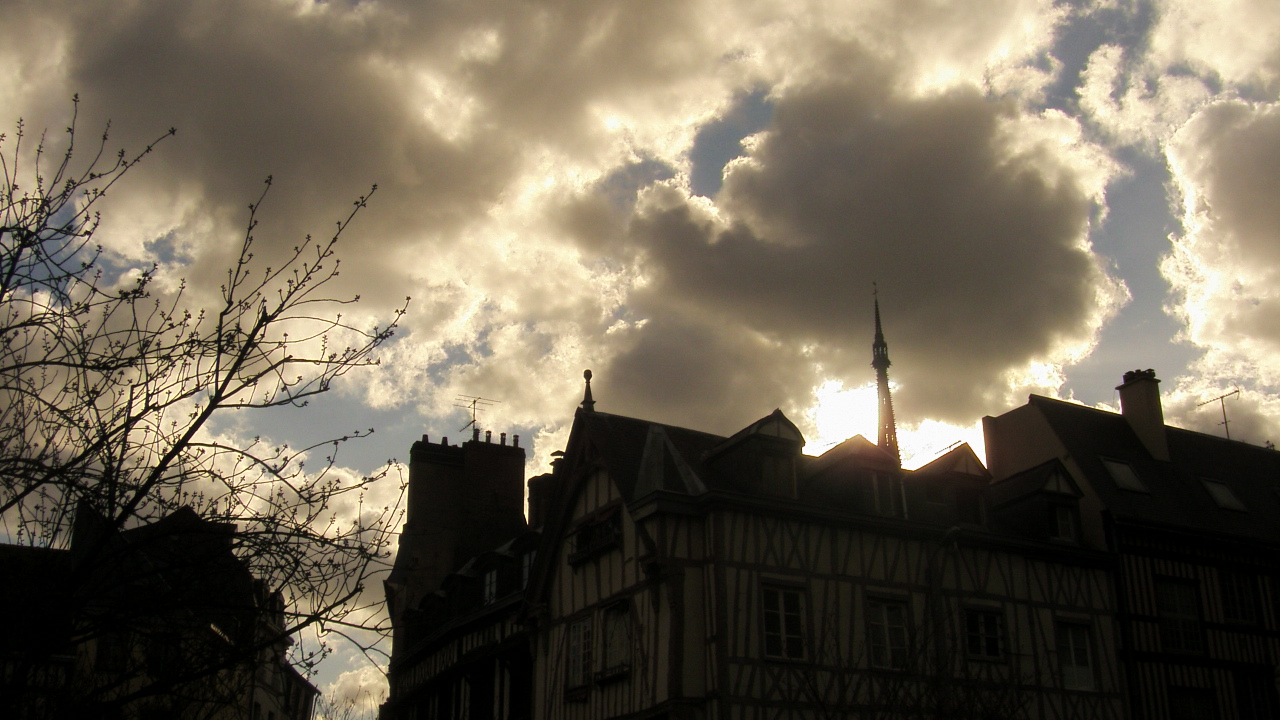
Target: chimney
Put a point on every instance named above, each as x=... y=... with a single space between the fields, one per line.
x=541 y=495
x=462 y=500
x=1140 y=405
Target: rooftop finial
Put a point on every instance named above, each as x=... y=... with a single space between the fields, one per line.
x=588 y=403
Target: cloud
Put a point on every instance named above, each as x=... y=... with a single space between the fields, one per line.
x=979 y=243
x=1237 y=40
x=354 y=693
x=1137 y=105
x=1225 y=264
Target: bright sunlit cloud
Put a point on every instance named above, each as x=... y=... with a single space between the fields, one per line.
x=922 y=443
x=841 y=413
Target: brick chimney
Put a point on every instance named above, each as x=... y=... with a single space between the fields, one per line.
x=462 y=501
x=1140 y=405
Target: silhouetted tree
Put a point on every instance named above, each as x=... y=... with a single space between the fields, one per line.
x=110 y=389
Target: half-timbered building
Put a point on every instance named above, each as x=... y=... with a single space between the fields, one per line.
x=686 y=574
x=682 y=574
x=1193 y=523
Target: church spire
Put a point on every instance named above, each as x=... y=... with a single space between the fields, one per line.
x=888 y=436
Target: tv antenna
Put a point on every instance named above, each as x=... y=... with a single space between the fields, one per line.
x=475 y=405
x=1222 y=400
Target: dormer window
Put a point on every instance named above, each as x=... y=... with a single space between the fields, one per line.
x=1222 y=495
x=526 y=566
x=778 y=476
x=888 y=494
x=1065 y=522
x=1123 y=475
x=490 y=586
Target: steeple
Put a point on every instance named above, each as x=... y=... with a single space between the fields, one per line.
x=888 y=436
x=588 y=403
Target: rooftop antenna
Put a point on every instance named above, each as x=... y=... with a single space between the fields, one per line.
x=474 y=404
x=1222 y=400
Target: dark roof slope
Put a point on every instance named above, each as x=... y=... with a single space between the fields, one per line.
x=621 y=444
x=1177 y=496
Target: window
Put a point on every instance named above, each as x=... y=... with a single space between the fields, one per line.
x=935 y=491
x=1192 y=704
x=783 y=622
x=616 y=628
x=597 y=535
x=778 y=475
x=1179 y=610
x=984 y=634
x=1256 y=694
x=490 y=586
x=526 y=567
x=113 y=652
x=887 y=633
x=1075 y=656
x=1239 y=597
x=888 y=492
x=162 y=654
x=1065 y=522
x=578 y=673
x=1123 y=475
x=1222 y=495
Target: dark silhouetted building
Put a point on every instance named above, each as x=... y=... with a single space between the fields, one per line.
x=1107 y=566
x=157 y=621
x=1193 y=524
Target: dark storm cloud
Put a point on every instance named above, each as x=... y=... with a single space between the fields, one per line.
x=976 y=244
x=255 y=89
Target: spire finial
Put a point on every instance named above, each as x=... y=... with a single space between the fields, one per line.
x=875 y=294
x=888 y=436
x=588 y=403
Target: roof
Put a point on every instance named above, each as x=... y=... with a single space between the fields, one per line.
x=1050 y=476
x=959 y=459
x=642 y=456
x=1176 y=492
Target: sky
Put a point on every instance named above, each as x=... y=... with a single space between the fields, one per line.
x=694 y=199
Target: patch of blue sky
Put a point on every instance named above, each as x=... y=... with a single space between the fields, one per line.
x=720 y=142
x=1083 y=33
x=1134 y=237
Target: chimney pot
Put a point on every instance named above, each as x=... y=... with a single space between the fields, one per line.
x=488 y=436
x=444 y=441
x=515 y=441
x=502 y=439
x=1140 y=406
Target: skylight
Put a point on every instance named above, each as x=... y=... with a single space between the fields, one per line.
x=1222 y=495
x=1123 y=475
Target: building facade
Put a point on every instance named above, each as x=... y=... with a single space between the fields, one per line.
x=690 y=575
x=1193 y=524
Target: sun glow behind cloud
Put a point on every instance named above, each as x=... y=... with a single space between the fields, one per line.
x=840 y=413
